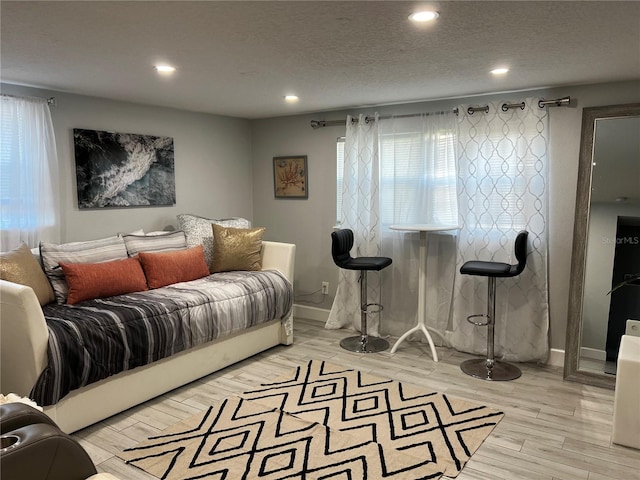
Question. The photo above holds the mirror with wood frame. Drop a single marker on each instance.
(604, 293)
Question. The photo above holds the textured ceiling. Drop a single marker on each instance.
(240, 58)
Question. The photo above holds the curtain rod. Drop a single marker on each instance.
(51, 101)
(558, 102)
(332, 123)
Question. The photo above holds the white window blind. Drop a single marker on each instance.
(418, 186)
(417, 175)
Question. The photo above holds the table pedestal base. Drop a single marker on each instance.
(364, 344)
(418, 328)
(481, 368)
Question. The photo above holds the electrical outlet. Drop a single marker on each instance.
(325, 288)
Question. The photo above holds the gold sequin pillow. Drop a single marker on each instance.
(20, 266)
(236, 249)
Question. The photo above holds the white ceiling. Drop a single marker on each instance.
(240, 58)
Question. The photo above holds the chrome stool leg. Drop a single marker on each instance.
(365, 343)
(489, 368)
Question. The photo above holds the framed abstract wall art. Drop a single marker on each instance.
(123, 169)
(290, 177)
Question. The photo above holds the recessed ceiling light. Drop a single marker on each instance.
(424, 16)
(499, 71)
(291, 98)
(165, 69)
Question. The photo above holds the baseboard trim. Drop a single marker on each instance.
(556, 356)
(593, 354)
(311, 313)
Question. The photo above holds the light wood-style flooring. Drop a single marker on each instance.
(552, 430)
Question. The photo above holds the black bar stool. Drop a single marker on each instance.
(489, 368)
(341, 244)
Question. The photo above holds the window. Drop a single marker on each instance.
(28, 166)
(418, 169)
(6, 131)
(417, 173)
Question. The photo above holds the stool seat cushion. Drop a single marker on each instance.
(486, 269)
(499, 269)
(366, 263)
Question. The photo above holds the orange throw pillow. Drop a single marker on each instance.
(98, 280)
(167, 268)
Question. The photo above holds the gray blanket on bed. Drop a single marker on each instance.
(92, 340)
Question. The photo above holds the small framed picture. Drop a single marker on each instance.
(290, 177)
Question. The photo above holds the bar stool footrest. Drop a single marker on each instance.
(479, 315)
(368, 305)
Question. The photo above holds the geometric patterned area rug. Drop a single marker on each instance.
(321, 422)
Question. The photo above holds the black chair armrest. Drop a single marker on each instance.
(16, 415)
(44, 453)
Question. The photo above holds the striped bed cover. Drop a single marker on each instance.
(92, 340)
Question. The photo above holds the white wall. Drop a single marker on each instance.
(308, 223)
(212, 162)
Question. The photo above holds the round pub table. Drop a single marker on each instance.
(421, 326)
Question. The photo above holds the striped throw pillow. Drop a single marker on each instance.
(167, 242)
(95, 251)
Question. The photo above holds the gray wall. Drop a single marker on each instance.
(308, 223)
(212, 162)
(224, 168)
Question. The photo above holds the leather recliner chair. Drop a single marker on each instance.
(34, 448)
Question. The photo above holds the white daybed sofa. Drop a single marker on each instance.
(23, 349)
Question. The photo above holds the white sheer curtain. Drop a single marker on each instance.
(360, 213)
(502, 189)
(29, 196)
(418, 186)
(398, 171)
